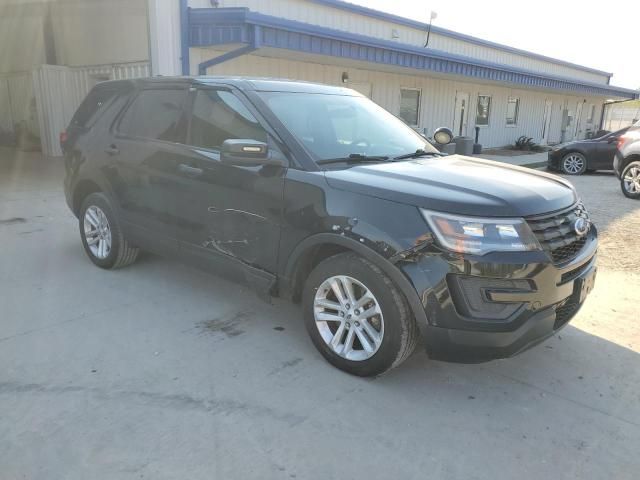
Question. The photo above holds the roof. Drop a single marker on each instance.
(398, 20)
(261, 84)
(239, 26)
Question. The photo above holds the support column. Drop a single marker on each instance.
(164, 37)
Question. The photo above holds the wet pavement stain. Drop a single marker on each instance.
(229, 325)
(13, 221)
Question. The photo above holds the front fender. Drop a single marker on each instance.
(399, 276)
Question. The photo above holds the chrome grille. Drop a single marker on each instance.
(556, 234)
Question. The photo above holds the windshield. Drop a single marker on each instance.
(336, 126)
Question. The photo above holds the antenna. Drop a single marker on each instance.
(432, 17)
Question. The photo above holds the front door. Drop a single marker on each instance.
(546, 121)
(225, 211)
(461, 114)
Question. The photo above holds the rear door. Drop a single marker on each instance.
(147, 137)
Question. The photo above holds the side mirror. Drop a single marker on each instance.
(247, 153)
(443, 136)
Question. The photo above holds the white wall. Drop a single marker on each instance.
(101, 32)
(21, 37)
(316, 14)
(438, 95)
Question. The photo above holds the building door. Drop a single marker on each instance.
(577, 133)
(546, 121)
(461, 114)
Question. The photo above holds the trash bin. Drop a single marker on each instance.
(464, 145)
(449, 148)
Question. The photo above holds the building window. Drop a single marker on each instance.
(484, 110)
(592, 113)
(410, 106)
(513, 107)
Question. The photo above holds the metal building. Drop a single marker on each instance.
(458, 81)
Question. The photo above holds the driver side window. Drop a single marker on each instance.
(219, 115)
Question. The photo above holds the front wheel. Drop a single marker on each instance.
(357, 317)
(101, 235)
(630, 180)
(573, 163)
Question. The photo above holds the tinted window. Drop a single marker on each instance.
(410, 105)
(92, 107)
(513, 107)
(219, 115)
(154, 114)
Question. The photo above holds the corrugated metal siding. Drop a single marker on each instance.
(621, 115)
(60, 90)
(438, 95)
(315, 14)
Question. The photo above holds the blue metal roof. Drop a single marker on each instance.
(369, 12)
(219, 26)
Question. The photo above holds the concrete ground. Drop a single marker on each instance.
(160, 371)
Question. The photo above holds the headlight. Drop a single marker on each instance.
(481, 235)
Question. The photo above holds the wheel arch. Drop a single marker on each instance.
(82, 190)
(311, 251)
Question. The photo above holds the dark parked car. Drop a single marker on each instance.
(576, 158)
(317, 194)
(627, 162)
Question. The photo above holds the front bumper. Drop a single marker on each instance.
(539, 300)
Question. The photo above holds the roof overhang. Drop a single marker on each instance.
(210, 27)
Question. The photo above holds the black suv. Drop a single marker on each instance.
(317, 194)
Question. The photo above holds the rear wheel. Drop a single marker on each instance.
(357, 317)
(630, 180)
(101, 235)
(573, 163)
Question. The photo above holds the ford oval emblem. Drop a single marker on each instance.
(581, 226)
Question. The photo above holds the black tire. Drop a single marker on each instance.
(627, 170)
(400, 329)
(122, 253)
(566, 162)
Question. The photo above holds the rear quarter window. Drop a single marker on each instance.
(92, 107)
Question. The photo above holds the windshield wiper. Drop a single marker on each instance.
(418, 153)
(353, 158)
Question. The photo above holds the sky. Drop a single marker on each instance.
(601, 35)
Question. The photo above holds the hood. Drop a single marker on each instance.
(457, 184)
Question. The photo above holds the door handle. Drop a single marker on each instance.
(112, 150)
(190, 171)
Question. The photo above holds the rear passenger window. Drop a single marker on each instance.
(219, 115)
(154, 114)
(92, 107)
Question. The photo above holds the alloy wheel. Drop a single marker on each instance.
(349, 318)
(573, 163)
(631, 180)
(97, 232)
